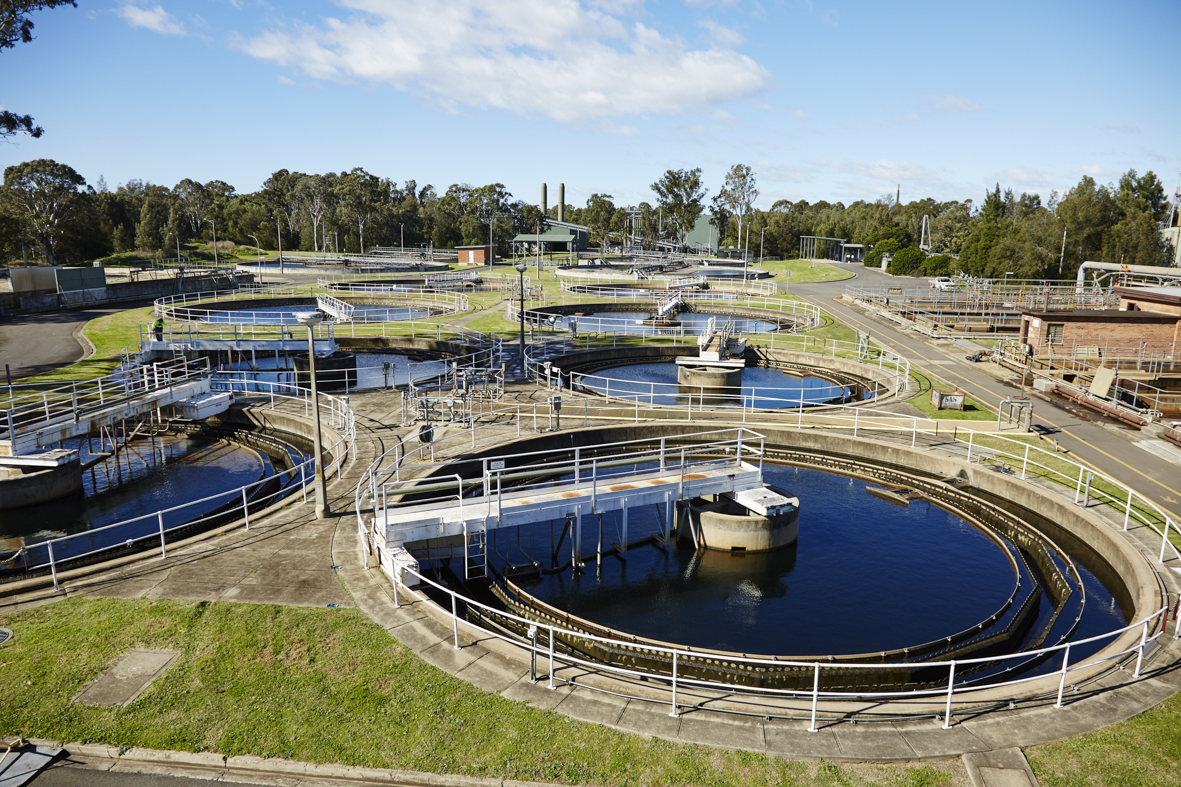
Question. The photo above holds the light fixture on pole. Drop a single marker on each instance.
(311, 320)
(521, 275)
(214, 224)
(257, 248)
(279, 233)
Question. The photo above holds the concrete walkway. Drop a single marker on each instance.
(291, 558)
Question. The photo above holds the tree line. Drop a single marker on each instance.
(48, 210)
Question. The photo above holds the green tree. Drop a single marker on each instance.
(45, 197)
(16, 27)
(739, 192)
(679, 194)
(600, 210)
(907, 261)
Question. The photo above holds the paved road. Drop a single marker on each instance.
(38, 343)
(1093, 440)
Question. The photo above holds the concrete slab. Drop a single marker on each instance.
(537, 694)
(647, 718)
(586, 705)
(934, 741)
(792, 739)
(127, 679)
(446, 657)
(419, 635)
(295, 597)
(1000, 768)
(711, 729)
(493, 673)
(872, 742)
(293, 578)
(188, 591)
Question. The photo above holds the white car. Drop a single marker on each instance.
(942, 283)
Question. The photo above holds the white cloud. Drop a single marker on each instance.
(565, 59)
(709, 3)
(284, 80)
(799, 114)
(953, 105)
(1025, 178)
(1094, 170)
(722, 35)
(155, 19)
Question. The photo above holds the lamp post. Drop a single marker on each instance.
(216, 262)
(521, 268)
(257, 248)
(173, 234)
(312, 319)
(279, 233)
(762, 233)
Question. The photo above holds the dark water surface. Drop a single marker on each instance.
(865, 575)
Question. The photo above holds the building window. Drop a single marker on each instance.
(1054, 333)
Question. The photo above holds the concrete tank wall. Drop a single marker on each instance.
(18, 490)
(725, 526)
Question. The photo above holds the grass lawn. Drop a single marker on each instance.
(330, 686)
(803, 271)
(971, 412)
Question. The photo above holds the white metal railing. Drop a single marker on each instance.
(894, 369)
(803, 316)
(51, 553)
(989, 448)
(183, 307)
(33, 405)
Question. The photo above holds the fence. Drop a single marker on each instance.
(175, 307)
(540, 640)
(151, 528)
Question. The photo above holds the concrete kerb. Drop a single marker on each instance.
(1090, 708)
(257, 770)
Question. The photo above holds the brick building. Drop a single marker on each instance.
(1164, 300)
(1148, 318)
(475, 255)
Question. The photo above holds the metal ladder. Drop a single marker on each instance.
(475, 552)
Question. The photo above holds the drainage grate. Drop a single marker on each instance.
(5, 635)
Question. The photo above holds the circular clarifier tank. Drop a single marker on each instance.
(658, 384)
(864, 576)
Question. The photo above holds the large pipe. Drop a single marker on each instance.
(544, 200)
(561, 202)
(1151, 270)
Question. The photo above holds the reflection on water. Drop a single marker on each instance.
(635, 323)
(656, 383)
(864, 576)
(285, 315)
(372, 371)
(151, 474)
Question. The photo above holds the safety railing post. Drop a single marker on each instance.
(163, 549)
(1164, 540)
(1140, 650)
(53, 567)
(856, 419)
(815, 694)
(454, 621)
(950, 690)
(245, 508)
(971, 436)
(303, 481)
(1078, 489)
(1062, 679)
(551, 658)
(1128, 510)
(674, 712)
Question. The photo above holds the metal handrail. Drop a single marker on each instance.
(340, 417)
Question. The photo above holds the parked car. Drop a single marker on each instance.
(942, 283)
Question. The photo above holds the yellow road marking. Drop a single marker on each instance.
(976, 386)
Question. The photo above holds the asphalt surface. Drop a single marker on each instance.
(1091, 439)
(38, 343)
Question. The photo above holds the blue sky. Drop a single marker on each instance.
(825, 100)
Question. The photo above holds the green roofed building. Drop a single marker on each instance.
(558, 236)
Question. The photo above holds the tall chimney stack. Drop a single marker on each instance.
(544, 200)
(561, 202)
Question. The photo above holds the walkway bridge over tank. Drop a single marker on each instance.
(565, 484)
(40, 415)
(258, 339)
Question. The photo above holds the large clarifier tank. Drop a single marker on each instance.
(332, 371)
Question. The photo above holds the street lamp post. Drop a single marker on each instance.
(762, 233)
(312, 319)
(173, 234)
(521, 268)
(279, 233)
(257, 248)
(216, 262)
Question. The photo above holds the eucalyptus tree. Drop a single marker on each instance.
(600, 210)
(739, 191)
(16, 27)
(193, 201)
(679, 194)
(315, 197)
(360, 196)
(45, 198)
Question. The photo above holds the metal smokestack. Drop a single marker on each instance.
(561, 202)
(544, 200)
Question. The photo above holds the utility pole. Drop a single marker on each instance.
(1062, 256)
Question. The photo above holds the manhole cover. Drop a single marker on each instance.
(5, 635)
